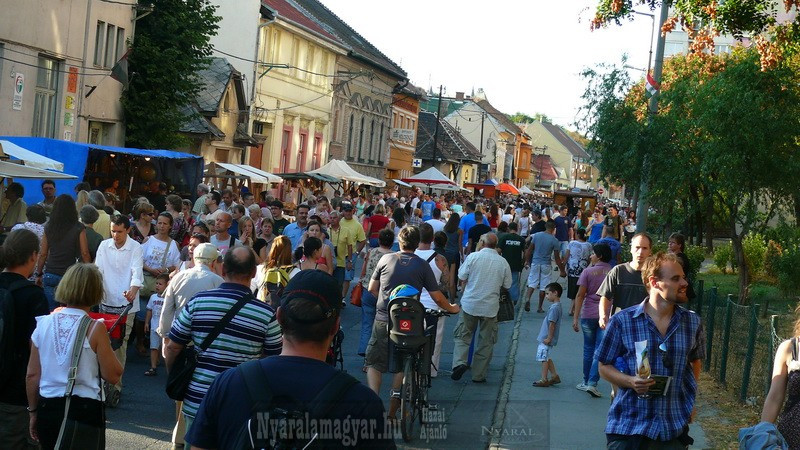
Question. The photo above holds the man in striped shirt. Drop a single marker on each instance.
(251, 334)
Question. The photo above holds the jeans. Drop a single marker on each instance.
(368, 302)
(373, 242)
(592, 336)
(50, 283)
(515, 286)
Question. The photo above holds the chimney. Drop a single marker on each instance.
(459, 96)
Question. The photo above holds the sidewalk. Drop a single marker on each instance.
(560, 416)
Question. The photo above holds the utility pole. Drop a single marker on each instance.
(436, 132)
(642, 207)
(480, 165)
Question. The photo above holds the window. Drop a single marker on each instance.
(45, 107)
(286, 145)
(361, 140)
(310, 64)
(317, 151)
(350, 152)
(120, 43)
(301, 152)
(380, 145)
(99, 40)
(371, 140)
(111, 32)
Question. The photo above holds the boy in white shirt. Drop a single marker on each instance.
(154, 306)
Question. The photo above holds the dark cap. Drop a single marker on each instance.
(315, 286)
(347, 206)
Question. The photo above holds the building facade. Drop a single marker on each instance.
(59, 55)
(403, 134)
(569, 159)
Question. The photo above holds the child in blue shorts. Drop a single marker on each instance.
(548, 336)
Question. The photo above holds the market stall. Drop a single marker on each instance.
(339, 169)
(306, 183)
(132, 170)
(236, 176)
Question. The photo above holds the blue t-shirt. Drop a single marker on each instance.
(226, 406)
(294, 233)
(615, 246)
(467, 222)
(553, 315)
(234, 229)
(596, 233)
(562, 228)
(544, 246)
(427, 210)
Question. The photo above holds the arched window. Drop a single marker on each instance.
(350, 138)
(380, 145)
(371, 141)
(361, 140)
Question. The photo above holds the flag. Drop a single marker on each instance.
(120, 70)
(651, 86)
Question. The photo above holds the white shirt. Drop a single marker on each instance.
(223, 246)
(414, 202)
(485, 271)
(183, 286)
(153, 253)
(54, 337)
(121, 269)
(437, 224)
(425, 296)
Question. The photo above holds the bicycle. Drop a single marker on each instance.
(334, 356)
(413, 338)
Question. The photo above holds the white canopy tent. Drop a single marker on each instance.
(29, 158)
(18, 171)
(255, 175)
(525, 190)
(430, 177)
(340, 169)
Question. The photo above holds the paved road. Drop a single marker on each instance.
(557, 417)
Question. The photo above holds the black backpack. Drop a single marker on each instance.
(274, 420)
(9, 352)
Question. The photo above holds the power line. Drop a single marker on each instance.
(56, 70)
(282, 66)
(340, 86)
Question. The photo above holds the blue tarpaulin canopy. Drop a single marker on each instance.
(179, 169)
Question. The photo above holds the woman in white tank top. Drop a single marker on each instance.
(51, 354)
(425, 252)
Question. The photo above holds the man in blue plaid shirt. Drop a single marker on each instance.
(675, 345)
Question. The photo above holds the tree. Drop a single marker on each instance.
(704, 19)
(171, 45)
(724, 141)
(520, 117)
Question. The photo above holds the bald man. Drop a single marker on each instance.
(222, 239)
(484, 272)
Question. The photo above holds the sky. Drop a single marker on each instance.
(526, 55)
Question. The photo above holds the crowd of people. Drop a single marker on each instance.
(271, 286)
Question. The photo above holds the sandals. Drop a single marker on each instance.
(528, 306)
(555, 380)
(151, 372)
(542, 383)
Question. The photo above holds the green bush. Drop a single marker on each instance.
(755, 250)
(788, 268)
(723, 254)
(696, 255)
(785, 235)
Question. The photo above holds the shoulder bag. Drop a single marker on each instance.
(74, 433)
(183, 367)
(506, 311)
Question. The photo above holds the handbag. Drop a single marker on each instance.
(148, 280)
(73, 433)
(355, 294)
(506, 311)
(180, 375)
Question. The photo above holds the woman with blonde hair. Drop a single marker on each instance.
(81, 200)
(142, 224)
(786, 386)
(247, 231)
(280, 257)
(51, 360)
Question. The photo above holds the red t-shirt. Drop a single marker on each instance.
(378, 222)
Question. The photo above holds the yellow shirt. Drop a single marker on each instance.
(350, 232)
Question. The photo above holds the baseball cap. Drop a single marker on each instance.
(315, 286)
(347, 206)
(206, 251)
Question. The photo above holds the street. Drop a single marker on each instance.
(504, 412)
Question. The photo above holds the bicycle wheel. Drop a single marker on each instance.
(422, 394)
(408, 400)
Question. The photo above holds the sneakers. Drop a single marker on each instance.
(592, 390)
(582, 387)
(458, 372)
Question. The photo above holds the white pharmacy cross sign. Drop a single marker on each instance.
(416, 163)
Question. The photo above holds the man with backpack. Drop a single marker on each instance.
(244, 404)
(222, 239)
(20, 302)
(245, 328)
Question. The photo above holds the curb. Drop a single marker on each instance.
(499, 416)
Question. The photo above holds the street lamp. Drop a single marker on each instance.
(653, 18)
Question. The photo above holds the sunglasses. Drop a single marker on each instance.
(666, 361)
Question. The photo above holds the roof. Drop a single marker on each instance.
(196, 123)
(499, 116)
(563, 138)
(292, 12)
(214, 79)
(358, 47)
(451, 144)
(544, 164)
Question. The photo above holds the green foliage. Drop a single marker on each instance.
(723, 254)
(172, 43)
(755, 250)
(788, 271)
(696, 255)
(785, 235)
(521, 117)
(772, 257)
